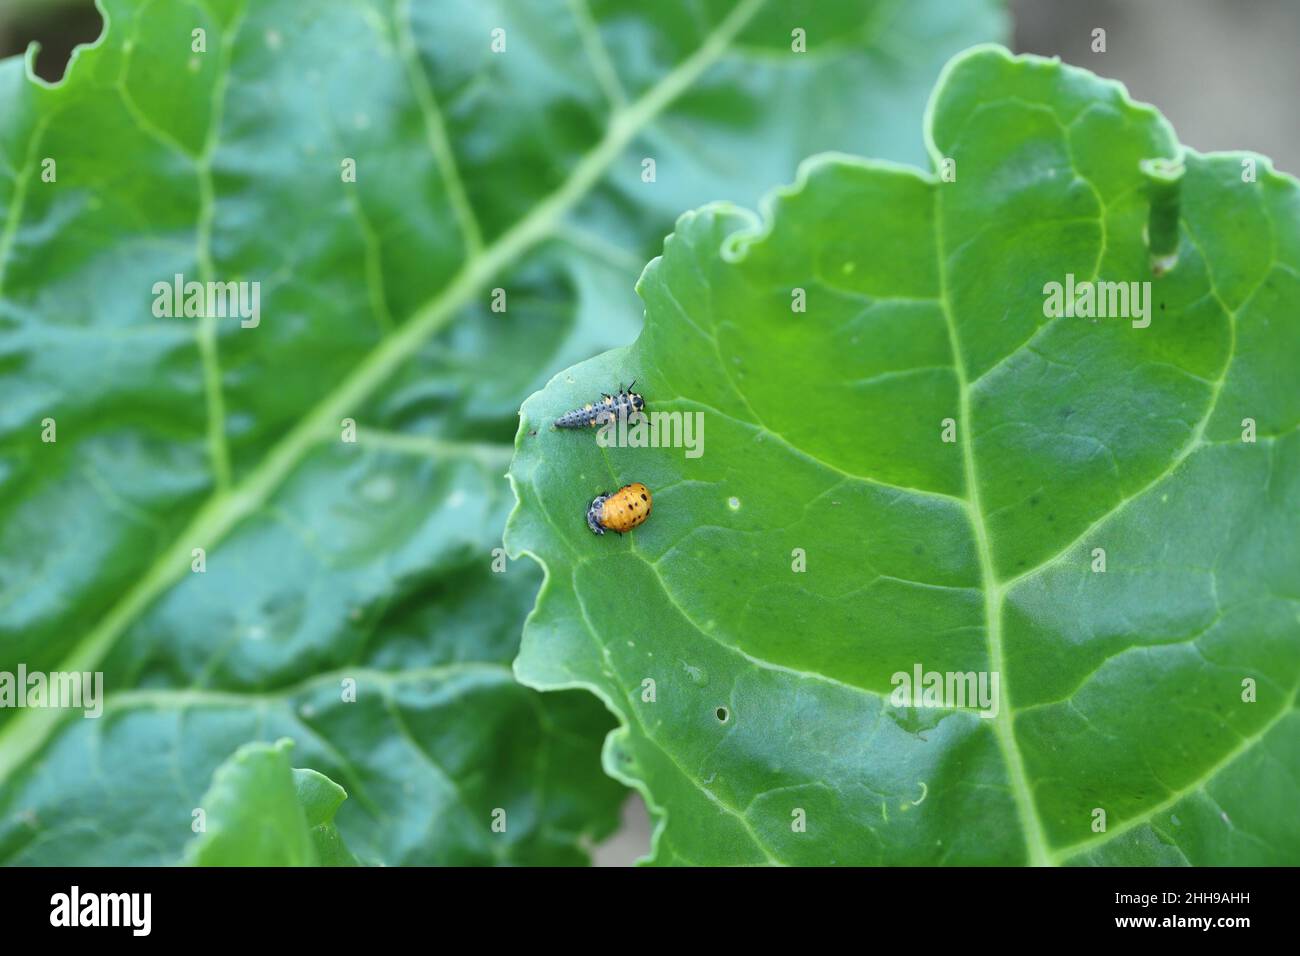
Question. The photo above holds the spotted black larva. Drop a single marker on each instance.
(594, 414)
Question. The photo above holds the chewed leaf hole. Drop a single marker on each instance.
(722, 714)
(58, 28)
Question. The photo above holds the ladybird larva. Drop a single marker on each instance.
(624, 402)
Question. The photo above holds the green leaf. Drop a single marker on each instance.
(425, 755)
(328, 561)
(261, 812)
(321, 798)
(1123, 690)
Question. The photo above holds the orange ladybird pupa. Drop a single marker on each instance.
(621, 511)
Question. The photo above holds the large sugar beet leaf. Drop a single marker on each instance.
(219, 140)
(923, 469)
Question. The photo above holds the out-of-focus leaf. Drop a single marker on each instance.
(328, 561)
(261, 812)
(321, 798)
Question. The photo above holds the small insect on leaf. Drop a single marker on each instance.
(621, 511)
(624, 403)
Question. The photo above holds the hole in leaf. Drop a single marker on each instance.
(57, 27)
(722, 714)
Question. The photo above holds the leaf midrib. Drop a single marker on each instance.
(1031, 825)
(27, 731)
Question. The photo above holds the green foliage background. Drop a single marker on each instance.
(327, 561)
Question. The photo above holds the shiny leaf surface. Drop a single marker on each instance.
(925, 470)
(215, 141)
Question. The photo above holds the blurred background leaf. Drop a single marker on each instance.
(260, 811)
(329, 561)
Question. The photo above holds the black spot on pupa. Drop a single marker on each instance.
(1033, 501)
